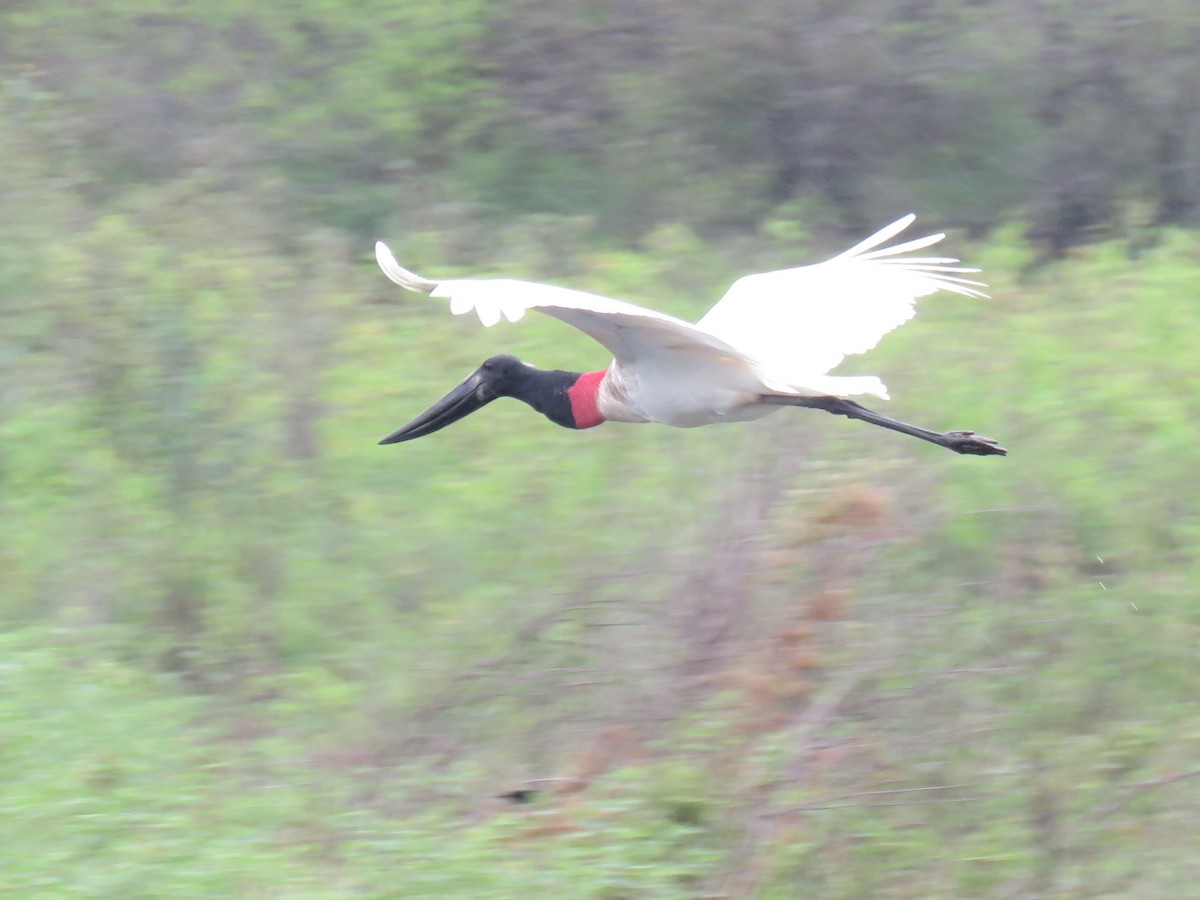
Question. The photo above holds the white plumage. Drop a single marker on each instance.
(775, 333)
(802, 322)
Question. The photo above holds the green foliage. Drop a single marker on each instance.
(248, 652)
(639, 114)
(320, 94)
(112, 784)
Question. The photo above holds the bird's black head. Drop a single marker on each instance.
(504, 373)
(499, 376)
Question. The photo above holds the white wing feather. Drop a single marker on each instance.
(800, 323)
(631, 333)
(787, 328)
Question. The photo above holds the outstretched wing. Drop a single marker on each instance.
(798, 323)
(631, 333)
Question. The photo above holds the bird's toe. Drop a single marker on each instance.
(969, 442)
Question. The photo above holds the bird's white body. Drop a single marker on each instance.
(666, 392)
(773, 334)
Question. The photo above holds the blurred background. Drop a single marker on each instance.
(246, 652)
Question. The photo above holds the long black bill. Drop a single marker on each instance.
(472, 393)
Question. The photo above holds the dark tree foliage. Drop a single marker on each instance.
(638, 112)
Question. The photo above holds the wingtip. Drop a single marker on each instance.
(882, 236)
(398, 274)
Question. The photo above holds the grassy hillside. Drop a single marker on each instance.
(250, 653)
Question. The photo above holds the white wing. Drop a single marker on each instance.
(799, 323)
(631, 333)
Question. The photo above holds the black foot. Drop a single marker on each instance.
(974, 444)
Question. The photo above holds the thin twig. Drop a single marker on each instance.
(1140, 789)
(822, 803)
(890, 803)
(1103, 810)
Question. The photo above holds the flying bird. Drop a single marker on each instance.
(770, 342)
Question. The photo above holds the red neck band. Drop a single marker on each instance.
(584, 395)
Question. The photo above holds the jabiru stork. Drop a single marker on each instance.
(769, 342)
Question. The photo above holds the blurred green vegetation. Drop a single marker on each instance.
(387, 116)
(248, 653)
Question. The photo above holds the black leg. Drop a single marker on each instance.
(958, 441)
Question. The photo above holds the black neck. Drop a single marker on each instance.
(546, 391)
